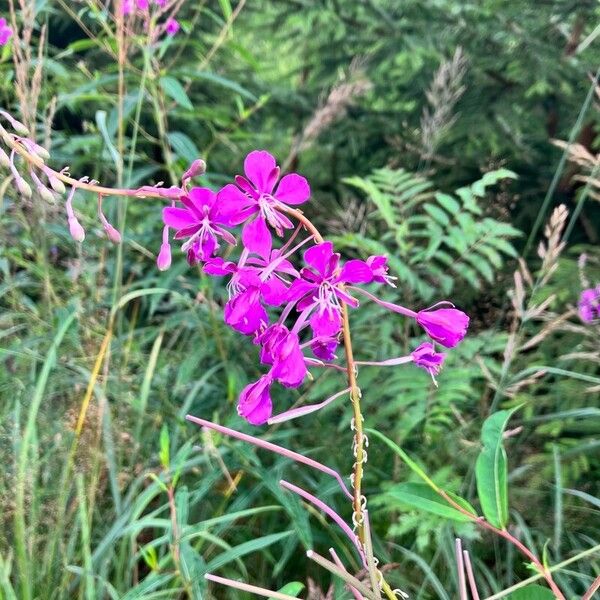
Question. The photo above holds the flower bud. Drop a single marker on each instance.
(16, 125)
(4, 160)
(40, 151)
(46, 194)
(198, 167)
(113, 235)
(76, 230)
(23, 187)
(163, 260)
(57, 185)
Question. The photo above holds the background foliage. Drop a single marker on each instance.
(425, 129)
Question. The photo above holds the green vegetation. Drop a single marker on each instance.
(426, 129)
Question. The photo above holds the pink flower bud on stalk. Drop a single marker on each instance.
(172, 27)
(163, 260)
(112, 233)
(55, 183)
(197, 168)
(75, 229)
(34, 148)
(42, 190)
(16, 125)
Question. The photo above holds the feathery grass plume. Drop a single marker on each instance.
(550, 251)
(443, 94)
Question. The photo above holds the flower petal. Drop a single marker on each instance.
(274, 291)
(178, 218)
(233, 206)
(356, 271)
(319, 257)
(203, 199)
(255, 403)
(258, 167)
(326, 322)
(257, 237)
(293, 189)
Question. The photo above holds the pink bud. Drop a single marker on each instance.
(76, 230)
(198, 167)
(23, 187)
(57, 185)
(113, 235)
(163, 260)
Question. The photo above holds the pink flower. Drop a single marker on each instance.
(319, 289)
(447, 326)
(172, 27)
(5, 32)
(427, 358)
(281, 348)
(201, 221)
(255, 403)
(379, 268)
(589, 304)
(256, 194)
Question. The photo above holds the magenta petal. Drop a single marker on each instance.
(244, 312)
(258, 167)
(274, 291)
(233, 206)
(293, 189)
(326, 322)
(324, 348)
(319, 257)
(299, 289)
(218, 266)
(178, 218)
(202, 198)
(427, 358)
(255, 403)
(448, 326)
(356, 271)
(257, 237)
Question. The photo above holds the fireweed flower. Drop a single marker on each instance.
(447, 326)
(257, 195)
(255, 404)
(5, 32)
(589, 304)
(319, 290)
(201, 221)
(172, 27)
(427, 358)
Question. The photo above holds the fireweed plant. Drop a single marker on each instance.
(290, 295)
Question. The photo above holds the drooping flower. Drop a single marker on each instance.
(319, 290)
(255, 404)
(172, 27)
(589, 304)
(163, 260)
(256, 195)
(379, 268)
(447, 326)
(281, 348)
(5, 32)
(201, 221)
(427, 358)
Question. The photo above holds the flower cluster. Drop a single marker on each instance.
(142, 8)
(589, 304)
(5, 32)
(294, 314)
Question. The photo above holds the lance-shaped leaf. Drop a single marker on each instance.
(532, 592)
(491, 469)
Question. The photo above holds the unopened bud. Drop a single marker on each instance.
(76, 230)
(163, 260)
(16, 125)
(40, 151)
(112, 233)
(46, 194)
(4, 160)
(23, 187)
(57, 185)
(198, 167)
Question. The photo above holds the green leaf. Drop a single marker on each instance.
(164, 447)
(491, 469)
(175, 91)
(224, 82)
(183, 146)
(422, 497)
(101, 122)
(532, 592)
(291, 589)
